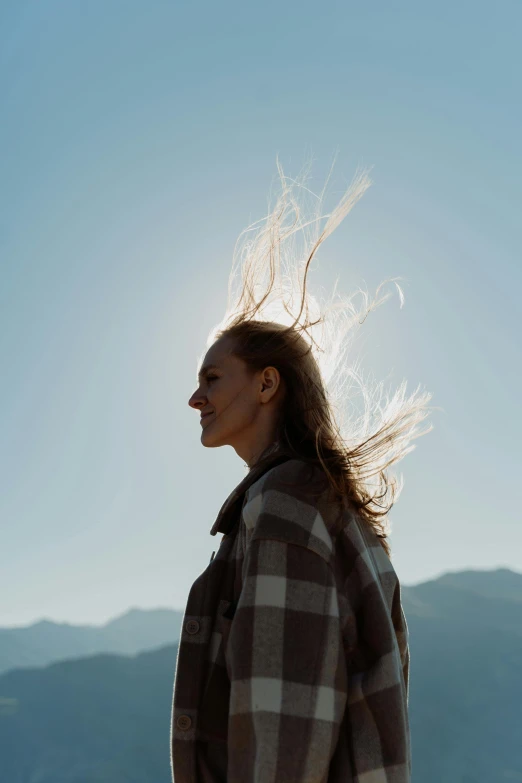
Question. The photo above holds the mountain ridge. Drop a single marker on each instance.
(46, 641)
(496, 593)
(105, 717)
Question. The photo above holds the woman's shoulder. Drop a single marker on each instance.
(282, 505)
(295, 477)
(293, 468)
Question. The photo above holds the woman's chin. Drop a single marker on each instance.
(209, 439)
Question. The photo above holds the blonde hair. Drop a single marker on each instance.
(274, 319)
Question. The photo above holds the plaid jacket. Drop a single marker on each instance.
(293, 661)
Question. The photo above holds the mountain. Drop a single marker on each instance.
(102, 719)
(474, 599)
(46, 642)
(106, 718)
(499, 583)
(466, 677)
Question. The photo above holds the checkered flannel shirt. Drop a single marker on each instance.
(298, 672)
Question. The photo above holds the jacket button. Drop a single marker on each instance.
(192, 626)
(184, 722)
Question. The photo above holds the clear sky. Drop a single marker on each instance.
(138, 139)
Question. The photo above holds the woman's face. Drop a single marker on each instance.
(231, 399)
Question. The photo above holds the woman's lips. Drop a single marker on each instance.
(203, 418)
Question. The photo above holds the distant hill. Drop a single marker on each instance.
(466, 677)
(475, 599)
(106, 718)
(46, 642)
(103, 719)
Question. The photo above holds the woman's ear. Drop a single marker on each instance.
(270, 381)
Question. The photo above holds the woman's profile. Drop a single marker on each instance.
(293, 661)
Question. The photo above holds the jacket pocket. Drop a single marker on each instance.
(225, 615)
(213, 717)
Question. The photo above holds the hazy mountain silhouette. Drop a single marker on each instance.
(100, 719)
(46, 642)
(466, 677)
(106, 718)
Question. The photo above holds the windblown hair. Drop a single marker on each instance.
(309, 345)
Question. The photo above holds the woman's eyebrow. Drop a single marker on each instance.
(206, 369)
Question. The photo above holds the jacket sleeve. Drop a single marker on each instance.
(286, 667)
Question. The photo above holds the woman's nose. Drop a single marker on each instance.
(196, 401)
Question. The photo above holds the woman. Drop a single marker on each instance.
(293, 662)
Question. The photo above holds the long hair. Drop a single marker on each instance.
(275, 320)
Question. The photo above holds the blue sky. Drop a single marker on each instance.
(138, 139)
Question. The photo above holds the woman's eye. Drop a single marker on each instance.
(212, 378)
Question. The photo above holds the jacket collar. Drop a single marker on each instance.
(229, 512)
